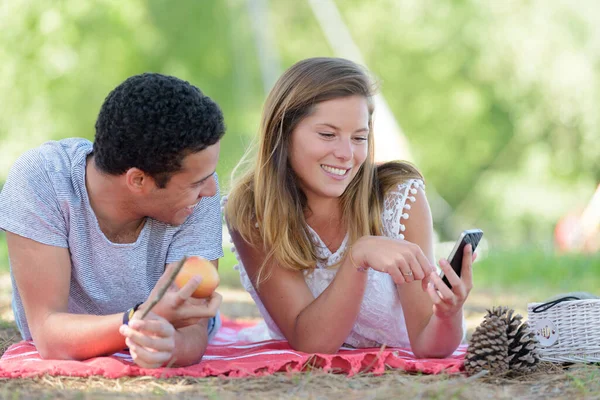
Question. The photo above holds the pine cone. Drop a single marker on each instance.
(488, 347)
(522, 344)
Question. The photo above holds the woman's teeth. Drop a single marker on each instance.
(335, 171)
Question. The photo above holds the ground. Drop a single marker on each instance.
(578, 381)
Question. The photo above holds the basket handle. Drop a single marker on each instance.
(546, 306)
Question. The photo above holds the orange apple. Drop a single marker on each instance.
(199, 266)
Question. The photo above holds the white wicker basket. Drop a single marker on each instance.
(568, 331)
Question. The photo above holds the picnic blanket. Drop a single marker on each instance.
(227, 355)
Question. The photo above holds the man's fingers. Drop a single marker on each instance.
(188, 289)
(207, 309)
(188, 322)
(146, 358)
(152, 334)
(214, 303)
(152, 343)
(155, 327)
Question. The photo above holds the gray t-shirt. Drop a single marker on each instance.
(45, 199)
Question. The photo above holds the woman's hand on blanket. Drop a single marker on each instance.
(178, 306)
(151, 341)
(402, 260)
(448, 302)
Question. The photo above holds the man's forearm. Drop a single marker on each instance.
(190, 343)
(79, 337)
(66, 336)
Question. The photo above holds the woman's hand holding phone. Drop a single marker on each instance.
(446, 301)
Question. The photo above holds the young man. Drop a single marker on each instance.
(94, 230)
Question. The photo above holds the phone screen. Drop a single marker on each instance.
(470, 236)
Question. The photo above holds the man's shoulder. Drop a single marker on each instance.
(42, 185)
(61, 155)
(53, 156)
(51, 169)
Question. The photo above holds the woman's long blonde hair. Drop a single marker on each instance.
(266, 205)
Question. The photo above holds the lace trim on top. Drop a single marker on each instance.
(395, 207)
(323, 252)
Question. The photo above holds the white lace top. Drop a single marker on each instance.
(380, 319)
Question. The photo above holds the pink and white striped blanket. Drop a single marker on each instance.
(228, 356)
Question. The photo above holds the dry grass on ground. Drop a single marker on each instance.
(574, 382)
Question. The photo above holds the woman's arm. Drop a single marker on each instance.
(434, 325)
(310, 325)
(322, 325)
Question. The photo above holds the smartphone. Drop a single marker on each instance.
(470, 236)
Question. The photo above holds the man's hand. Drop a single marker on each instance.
(151, 341)
(177, 306)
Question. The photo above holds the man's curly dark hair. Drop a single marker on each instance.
(151, 122)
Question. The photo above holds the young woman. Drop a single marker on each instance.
(334, 249)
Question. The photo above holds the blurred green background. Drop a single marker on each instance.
(496, 98)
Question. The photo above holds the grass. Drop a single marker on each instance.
(577, 382)
(540, 274)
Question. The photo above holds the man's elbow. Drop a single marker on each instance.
(52, 349)
(49, 351)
